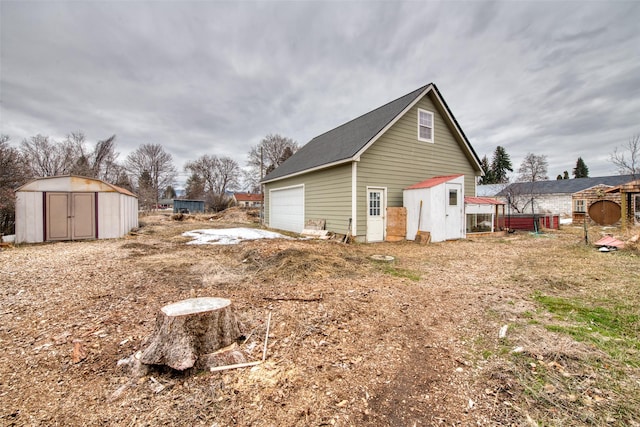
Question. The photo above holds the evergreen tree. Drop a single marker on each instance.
(195, 188)
(500, 164)
(565, 175)
(488, 177)
(169, 193)
(559, 177)
(581, 170)
(147, 195)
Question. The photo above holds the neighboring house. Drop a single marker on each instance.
(73, 207)
(248, 200)
(349, 175)
(165, 204)
(597, 204)
(554, 196)
(489, 190)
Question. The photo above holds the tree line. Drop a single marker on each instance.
(534, 166)
(149, 171)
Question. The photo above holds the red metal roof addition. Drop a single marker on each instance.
(432, 182)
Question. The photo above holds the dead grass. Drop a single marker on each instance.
(352, 342)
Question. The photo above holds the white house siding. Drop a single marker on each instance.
(555, 203)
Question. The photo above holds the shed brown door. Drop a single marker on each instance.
(605, 212)
(70, 216)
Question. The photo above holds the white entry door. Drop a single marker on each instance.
(376, 208)
(453, 211)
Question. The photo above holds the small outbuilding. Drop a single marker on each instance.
(483, 214)
(436, 205)
(73, 207)
(188, 206)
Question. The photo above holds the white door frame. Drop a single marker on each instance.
(377, 223)
(453, 213)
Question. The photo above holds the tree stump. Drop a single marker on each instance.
(189, 329)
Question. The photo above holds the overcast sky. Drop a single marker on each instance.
(560, 79)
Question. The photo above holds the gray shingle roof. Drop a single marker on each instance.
(564, 186)
(345, 141)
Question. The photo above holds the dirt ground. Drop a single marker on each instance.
(353, 341)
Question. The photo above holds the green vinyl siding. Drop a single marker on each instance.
(327, 195)
(397, 159)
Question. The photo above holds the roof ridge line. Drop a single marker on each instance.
(420, 89)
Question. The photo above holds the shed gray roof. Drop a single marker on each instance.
(563, 186)
(344, 142)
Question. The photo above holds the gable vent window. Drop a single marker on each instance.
(425, 125)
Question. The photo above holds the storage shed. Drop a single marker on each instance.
(188, 206)
(73, 207)
(598, 204)
(437, 206)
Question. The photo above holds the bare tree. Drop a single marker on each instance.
(12, 175)
(45, 157)
(270, 153)
(97, 163)
(218, 175)
(627, 160)
(153, 160)
(533, 169)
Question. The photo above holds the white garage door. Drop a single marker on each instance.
(286, 211)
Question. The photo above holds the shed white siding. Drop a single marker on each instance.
(433, 215)
(116, 214)
(29, 217)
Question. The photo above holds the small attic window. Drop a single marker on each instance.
(425, 125)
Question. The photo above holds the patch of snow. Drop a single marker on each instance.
(9, 238)
(566, 221)
(229, 236)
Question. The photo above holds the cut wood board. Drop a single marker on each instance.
(396, 224)
(423, 237)
(320, 234)
(315, 224)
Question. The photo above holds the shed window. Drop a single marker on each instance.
(579, 206)
(425, 125)
(453, 197)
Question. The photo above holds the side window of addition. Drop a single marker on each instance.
(425, 125)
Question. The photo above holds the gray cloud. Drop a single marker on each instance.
(560, 79)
